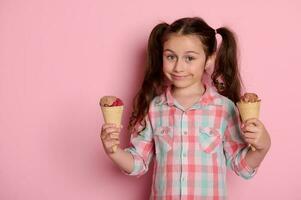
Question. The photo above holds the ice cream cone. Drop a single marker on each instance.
(248, 110)
(112, 115)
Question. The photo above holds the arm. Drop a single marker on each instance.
(235, 148)
(135, 159)
(123, 159)
(110, 138)
(255, 133)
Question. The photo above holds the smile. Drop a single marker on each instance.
(178, 77)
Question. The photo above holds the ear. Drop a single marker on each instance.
(209, 65)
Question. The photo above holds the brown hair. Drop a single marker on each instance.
(226, 67)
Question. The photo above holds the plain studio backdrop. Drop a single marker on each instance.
(58, 57)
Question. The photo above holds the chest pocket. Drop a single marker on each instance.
(209, 139)
(163, 139)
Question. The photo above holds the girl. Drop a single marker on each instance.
(191, 128)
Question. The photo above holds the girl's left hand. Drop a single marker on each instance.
(254, 133)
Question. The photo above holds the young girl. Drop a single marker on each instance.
(191, 128)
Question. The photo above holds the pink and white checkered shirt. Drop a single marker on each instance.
(192, 148)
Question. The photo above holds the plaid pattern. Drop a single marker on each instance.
(191, 148)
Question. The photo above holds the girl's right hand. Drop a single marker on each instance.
(110, 137)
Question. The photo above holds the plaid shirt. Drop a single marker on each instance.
(192, 148)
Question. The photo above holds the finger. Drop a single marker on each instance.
(105, 128)
(108, 146)
(108, 125)
(254, 121)
(250, 141)
(249, 135)
(104, 134)
(113, 126)
(110, 137)
(112, 144)
(113, 136)
(243, 126)
(252, 147)
(112, 130)
(113, 147)
(251, 128)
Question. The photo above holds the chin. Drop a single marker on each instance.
(184, 84)
(180, 85)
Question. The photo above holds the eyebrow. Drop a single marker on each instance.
(185, 51)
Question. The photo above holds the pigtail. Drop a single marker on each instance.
(153, 82)
(226, 67)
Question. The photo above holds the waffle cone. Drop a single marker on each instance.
(112, 114)
(248, 110)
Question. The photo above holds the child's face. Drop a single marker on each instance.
(184, 60)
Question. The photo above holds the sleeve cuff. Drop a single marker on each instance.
(136, 169)
(250, 171)
(246, 171)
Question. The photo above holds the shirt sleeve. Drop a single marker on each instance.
(235, 148)
(142, 149)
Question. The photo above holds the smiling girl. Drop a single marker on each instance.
(192, 130)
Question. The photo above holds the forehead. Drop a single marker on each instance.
(181, 43)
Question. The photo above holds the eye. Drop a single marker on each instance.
(170, 57)
(189, 58)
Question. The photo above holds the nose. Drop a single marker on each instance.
(179, 66)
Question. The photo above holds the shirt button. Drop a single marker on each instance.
(184, 154)
(185, 132)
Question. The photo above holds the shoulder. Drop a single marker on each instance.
(158, 100)
(156, 104)
(227, 104)
(219, 99)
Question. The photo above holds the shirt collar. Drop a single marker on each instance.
(210, 96)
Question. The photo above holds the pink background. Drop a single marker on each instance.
(57, 57)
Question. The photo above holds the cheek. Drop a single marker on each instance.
(166, 67)
(198, 69)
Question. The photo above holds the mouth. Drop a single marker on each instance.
(178, 77)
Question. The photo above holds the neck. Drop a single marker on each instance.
(197, 89)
